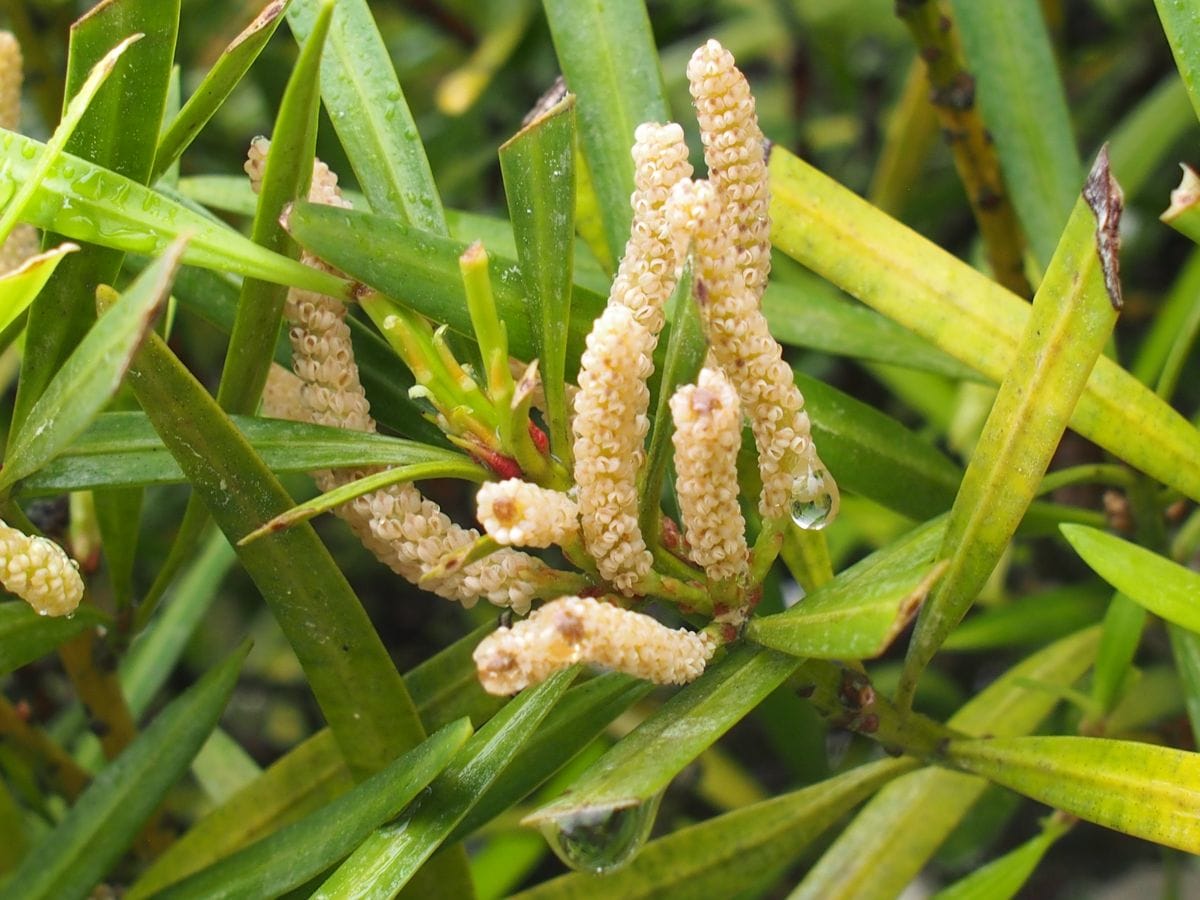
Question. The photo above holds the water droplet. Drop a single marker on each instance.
(812, 502)
(601, 840)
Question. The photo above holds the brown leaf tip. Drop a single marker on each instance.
(1107, 201)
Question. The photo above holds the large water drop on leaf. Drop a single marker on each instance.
(812, 501)
(601, 840)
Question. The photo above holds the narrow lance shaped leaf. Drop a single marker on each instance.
(15, 207)
(1073, 315)
(910, 280)
(371, 116)
(1007, 45)
(1143, 790)
(288, 172)
(89, 203)
(861, 611)
(1164, 587)
(100, 827)
(218, 83)
(116, 134)
(121, 449)
(538, 166)
(290, 857)
(91, 374)
(26, 636)
(643, 763)
(1184, 36)
(21, 285)
(607, 55)
(388, 859)
(1002, 878)
(350, 673)
(730, 853)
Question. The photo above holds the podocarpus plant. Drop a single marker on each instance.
(599, 381)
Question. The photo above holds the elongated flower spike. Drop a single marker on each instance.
(39, 572)
(735, 151)
(610, 426)
(647, 274)
(407, 532)
(708, 434)
(740, 340)
(582, 629)
(518, 513)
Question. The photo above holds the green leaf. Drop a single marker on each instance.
(1147, 791)
(286, 176)
(347, 667)
(91, 375)
(538, 166)
(1006, 45)
(15, 207)
(26, 636)
(93, 204)
(463, 468)
(1002, 878)
(371, 116)
(686, 349)
(117, 134)
(121, 449)
(643, 763)
(422, 268)
(728, 854)
(1073, 315)
(1164, 587)
(805, 311)
(861, 611)
(1029, 620)
(21, 285)
(874, 455)
(1183, 33)
(889, 842)
(79, 852)
(582, 714)
(910, 280)
(290, 857)
(607, 54)
(218, 83)
(388, 859)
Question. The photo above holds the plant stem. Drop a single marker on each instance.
(953, 97)
(52, 765)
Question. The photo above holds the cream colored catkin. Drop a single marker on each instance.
(647, 273)
(518, 513)
(39, 572)
(741, 342)
(573, 630)
(708, 430)
(407, 532)
(610, 427)
(735, 151)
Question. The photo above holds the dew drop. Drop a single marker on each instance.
(603, 840)
(812, 502)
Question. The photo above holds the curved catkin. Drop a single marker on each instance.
(521, 514)
(610, 426)
(581, 629)
(741, 342)
(39, 572)
(647, 274)
(735, 151)
(708, 429)
(407, 532)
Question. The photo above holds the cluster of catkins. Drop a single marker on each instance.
(723, 222)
